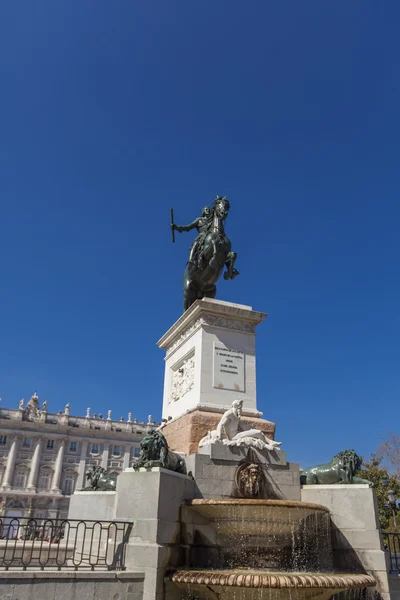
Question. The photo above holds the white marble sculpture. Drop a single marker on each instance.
(32, 410)
(236, 435)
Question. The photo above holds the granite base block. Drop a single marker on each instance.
(214, 473)
(356, 538)
(90, 506)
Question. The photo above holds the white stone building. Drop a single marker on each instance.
(44, 456)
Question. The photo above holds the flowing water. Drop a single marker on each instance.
(238, 549)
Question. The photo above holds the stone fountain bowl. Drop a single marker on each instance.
(240, 516)
(273, 535)
(255, 585)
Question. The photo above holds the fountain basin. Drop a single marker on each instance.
(252, 585)
(261, 579)
(243, 516)
(276, 535)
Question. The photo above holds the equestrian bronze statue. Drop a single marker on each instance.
(209, 253)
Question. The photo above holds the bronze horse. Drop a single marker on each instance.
(213, 252)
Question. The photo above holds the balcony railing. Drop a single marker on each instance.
(392, 545)
(62, 544)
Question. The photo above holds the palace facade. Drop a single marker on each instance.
(44, 456)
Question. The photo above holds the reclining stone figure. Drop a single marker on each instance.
(236, 435)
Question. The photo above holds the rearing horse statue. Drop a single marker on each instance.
(210, 251)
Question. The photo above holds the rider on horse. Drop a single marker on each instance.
(202, 224)
(209, 253)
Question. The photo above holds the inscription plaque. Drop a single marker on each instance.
(228, 368)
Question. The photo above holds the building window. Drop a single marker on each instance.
(44, 480)
(94, 449)
(3, 440)
(136, 452)
(20, 479)
(26, 443)
(73, 446)
(117, 451)
(50, 444)
(68, 485)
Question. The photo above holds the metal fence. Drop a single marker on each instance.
(392, 545)
(62, 544)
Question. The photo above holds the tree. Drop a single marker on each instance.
(383, 481)
(389, 450)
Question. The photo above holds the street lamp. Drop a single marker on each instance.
(392, 503)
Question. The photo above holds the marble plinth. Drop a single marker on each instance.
(211, 358)
(214, 469)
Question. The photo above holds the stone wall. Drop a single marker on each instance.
(184, 433)
(70, 585)
(356, 537)
(215, 466)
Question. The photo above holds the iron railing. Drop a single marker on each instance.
(392, 545)
(62, 544)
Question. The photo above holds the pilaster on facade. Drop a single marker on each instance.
(106, 453)
(7, 480)
(82, 467)
(55, 486)
(33, 474)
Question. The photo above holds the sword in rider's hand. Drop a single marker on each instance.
(172, 226)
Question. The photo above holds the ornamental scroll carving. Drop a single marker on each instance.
(182, 379)
(228, 323)
(213, 321)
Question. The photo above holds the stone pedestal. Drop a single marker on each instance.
(89, 506)
(210, 359)
(152, 500)
(215, 466)
(356, 536)
(210, 362)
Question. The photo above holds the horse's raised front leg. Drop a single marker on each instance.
(231, 273)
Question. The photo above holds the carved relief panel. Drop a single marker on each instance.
(182, 380)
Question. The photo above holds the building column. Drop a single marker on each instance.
(33, 473)
(104, 458)
(80, 482)
(12, 455)
(127, 457)
(55, 484)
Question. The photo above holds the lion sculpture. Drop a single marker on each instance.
(100, 480)
(341, 469)
(154, 452)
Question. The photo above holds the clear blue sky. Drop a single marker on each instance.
(112, 112)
